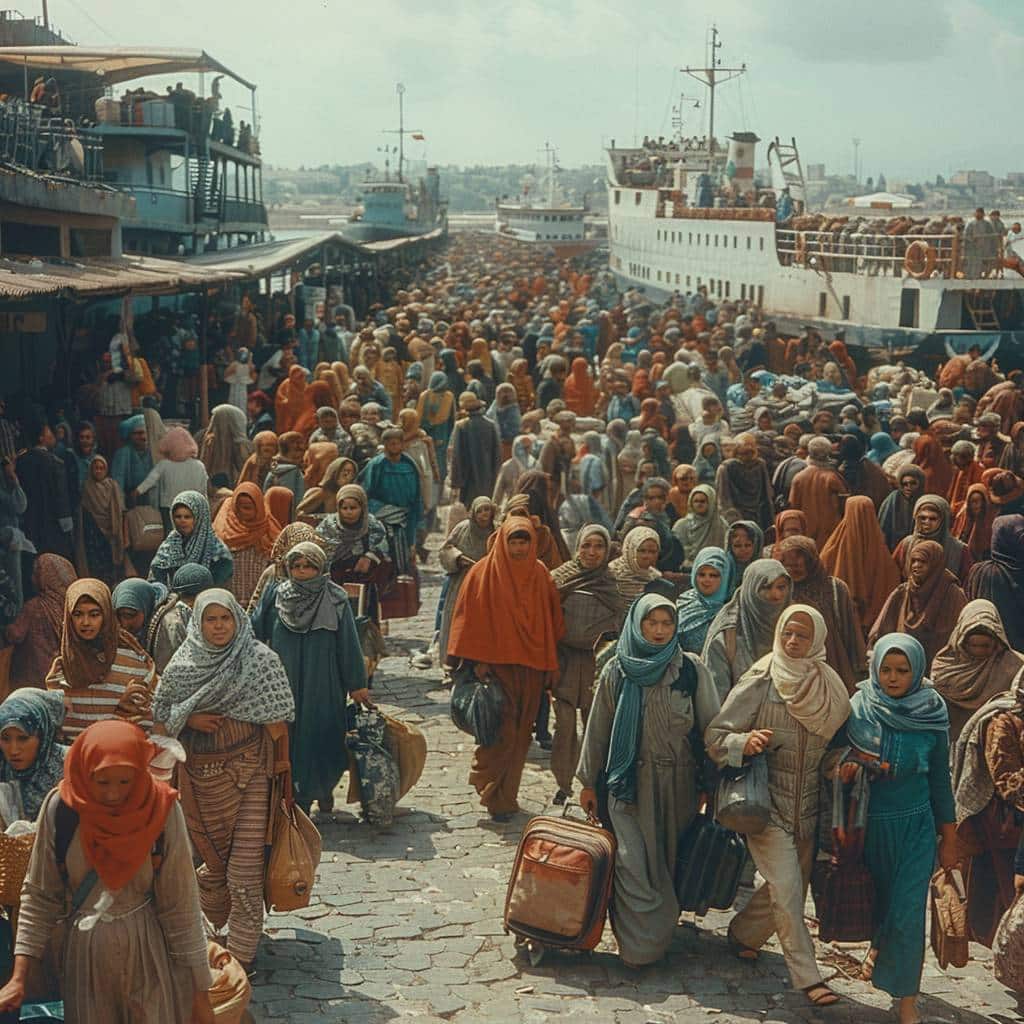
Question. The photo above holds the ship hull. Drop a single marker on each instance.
(362, 233)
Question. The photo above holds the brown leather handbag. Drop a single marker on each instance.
(949, 919)
(293, 841)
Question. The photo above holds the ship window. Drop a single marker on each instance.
(716, 241)
(687, 280)
(760, 292)
(735, 241)
(846, 307)
(909, 307)
(659, 275)
(698, 239)
(691, 237)
(727, 289)
(637, 196)
(761, 240)
(30, 239)
(618, 196)
(748, 242)
(719, 288)
(743, 291)
(822, 303)
(677, 279)
(707, 239)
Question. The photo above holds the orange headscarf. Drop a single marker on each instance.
(976, 533)
(857, 554)
(254, 471)
(578, 392)
(318, 457)
(679, 493)
(260, 533)
(292, 400)
(279, 505)
(933, 462)
(508, 611)
(641, 384)
(116, 841)
(963, 481)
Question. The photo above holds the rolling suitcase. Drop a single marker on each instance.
(709, 863)
(560, 885)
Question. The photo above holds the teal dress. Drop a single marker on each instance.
(324, 666)
(906, 808)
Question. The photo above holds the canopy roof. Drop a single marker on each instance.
(116, 63)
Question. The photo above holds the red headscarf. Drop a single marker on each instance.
(938, 471)
(976, 533)
(116, 841)
(279, 505)
(260, 533)
(508, 611)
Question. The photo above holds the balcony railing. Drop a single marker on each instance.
(32, 138)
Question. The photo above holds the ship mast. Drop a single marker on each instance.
(550, 153)
(712, 76)
(402, 130)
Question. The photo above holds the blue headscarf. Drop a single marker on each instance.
(438, 381)
(37, 713)
(877, 719)
(128, 427)
(641, 665)
(139, 596)
(882, 446)
(696, 610)
(738, 569)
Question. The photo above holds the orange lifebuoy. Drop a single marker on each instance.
(920, 259)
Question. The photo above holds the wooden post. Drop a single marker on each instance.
(204, 381)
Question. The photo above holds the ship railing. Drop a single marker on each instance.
(881, 255)
(676, 209)
(33, 138)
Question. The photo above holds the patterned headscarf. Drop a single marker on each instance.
(202, 546)
(244, 679)
(305, 605)
(36, 713)
(52, 575)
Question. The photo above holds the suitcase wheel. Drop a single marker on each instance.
(536, 952)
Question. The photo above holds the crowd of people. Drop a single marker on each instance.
(695, 541)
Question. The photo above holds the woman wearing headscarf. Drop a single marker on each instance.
(635, 567)
(317, 458)
(99, 536)
(896, 514)
(927, 606)
(280, 502)
(791, 522)
(972, 525)
(976, 665)
(191, 540)
(709, 458)
(591, 606)
(934, 463)
(882, 446)
(102, 671)
(744, 542)
(702, 526)
(899, 732)
(134, 603)
(169, 623)
(655, 450)
(323, 498)
(289, 536)
(225, 444)
(787, 707)
(860, 474)
(464, 547)
(178, 470)
(436, 412)
(248, 531)
(226, 697)
(521, 461)
(1001, 579)
(519, 378)
(293, 402)
(504, 414)
(139, 921)
(1013, 454)
(651, 419)
(648, 700)
(968, 472)
(26, 715)
(931, 522)
(856, 553)
(311, 627)
(844, 643)
(257, 465)
(698, 607)
(533, 498)
(35, 633)
(579, 392)
(742, 631)
(417, 445)
(507, 622)
(684, 479)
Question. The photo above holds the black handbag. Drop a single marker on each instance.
(477, 706)
(742, 800)
(709, 865)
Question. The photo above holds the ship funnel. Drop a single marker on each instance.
(739, 167)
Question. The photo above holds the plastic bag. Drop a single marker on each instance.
(477, 706)
(742, 800)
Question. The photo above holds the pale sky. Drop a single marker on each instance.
(928, 85)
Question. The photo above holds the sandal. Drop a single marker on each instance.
(746, 953)
(821, 995)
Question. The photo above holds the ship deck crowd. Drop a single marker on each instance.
(686, 554)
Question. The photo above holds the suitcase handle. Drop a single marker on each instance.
(591, 819)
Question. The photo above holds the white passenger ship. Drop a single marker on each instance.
(687, 212)
(546, 218)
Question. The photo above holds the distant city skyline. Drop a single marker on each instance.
(927, 85)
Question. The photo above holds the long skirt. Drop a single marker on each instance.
(497, 769)
(899, 851)
(225, 794)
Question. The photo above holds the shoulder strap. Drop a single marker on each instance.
(66, 822)
(835, 600)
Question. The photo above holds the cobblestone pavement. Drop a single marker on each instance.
(405, 922)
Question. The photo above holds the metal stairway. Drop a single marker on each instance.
(978, 304)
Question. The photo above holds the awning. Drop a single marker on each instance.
(264, 258)
(116, 63)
